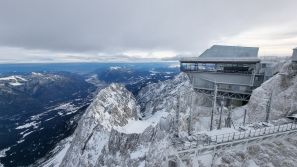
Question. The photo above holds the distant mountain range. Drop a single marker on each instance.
(40, 105)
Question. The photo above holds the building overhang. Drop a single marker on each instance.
(219, 60)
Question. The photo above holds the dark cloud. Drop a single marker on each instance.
(118, 25)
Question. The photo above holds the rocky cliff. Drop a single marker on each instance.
(282, 89)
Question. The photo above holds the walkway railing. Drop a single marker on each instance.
(229, 137)
(214, 143)
(235, 137)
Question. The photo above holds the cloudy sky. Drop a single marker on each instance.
(113, 30)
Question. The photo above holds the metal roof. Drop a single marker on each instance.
(222, 53)
(219, 51)
(219, 60)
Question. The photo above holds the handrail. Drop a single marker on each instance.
(238, 136)
(222, 141)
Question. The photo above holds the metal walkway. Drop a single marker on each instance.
(196, 146)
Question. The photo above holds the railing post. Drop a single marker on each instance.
(233, 135)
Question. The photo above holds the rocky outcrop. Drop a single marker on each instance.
(110, 134)
(283, 89)
(163, 95)
(113, 107)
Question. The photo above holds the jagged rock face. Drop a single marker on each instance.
(164, 95)
(100, 139)
(158, 96)
(135, 149)
(113, 107)
(283, 88)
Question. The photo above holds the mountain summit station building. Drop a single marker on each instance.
(229, 72)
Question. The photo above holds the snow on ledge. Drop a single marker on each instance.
(138, 126)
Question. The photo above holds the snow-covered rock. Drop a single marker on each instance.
(118, 131)
(112, 108)
(283, 89)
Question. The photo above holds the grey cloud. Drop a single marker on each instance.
(114, 26)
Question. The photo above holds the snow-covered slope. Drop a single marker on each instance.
(118, 130)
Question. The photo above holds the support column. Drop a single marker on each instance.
(221, 113)
(214, 104)
(177, 116)
(268, 107)
(244, 117)
(190, 116)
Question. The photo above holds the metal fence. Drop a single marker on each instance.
(205, 141)
(203, 144)
(229, 137)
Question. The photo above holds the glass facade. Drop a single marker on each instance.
(218, 67)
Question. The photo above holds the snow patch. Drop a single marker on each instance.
(13, 80)
(28, 125)
(3, 152)
(15, 84)
(26, 134)
(68, 107)
(139, 153)
(37, 74)
(56, 160)
(114, 67)
(138, 126)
